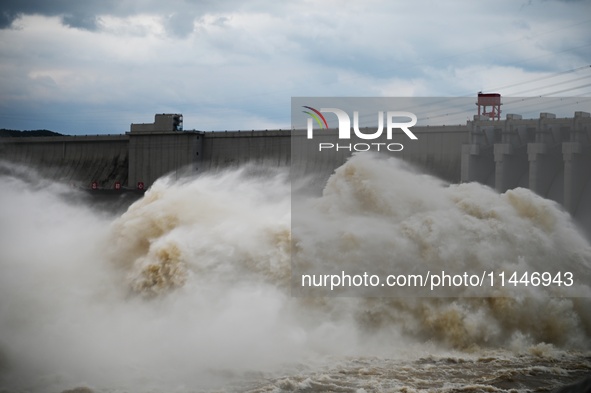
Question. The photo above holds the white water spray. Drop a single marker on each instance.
(190, 286)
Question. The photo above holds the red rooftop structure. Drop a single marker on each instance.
(492, 100)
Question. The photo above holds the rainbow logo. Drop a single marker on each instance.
(316, 115)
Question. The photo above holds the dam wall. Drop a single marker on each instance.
(80, 160)
(542, 154)
(135, 160)
(153, 154)
(234, 148)
(436, 151)
(551, 156)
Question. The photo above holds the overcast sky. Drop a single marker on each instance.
(95, 66)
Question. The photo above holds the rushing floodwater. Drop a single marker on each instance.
(189, 289)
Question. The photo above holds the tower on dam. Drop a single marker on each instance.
(164, 122)
(492, 101)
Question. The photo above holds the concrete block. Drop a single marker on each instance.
(513, 116)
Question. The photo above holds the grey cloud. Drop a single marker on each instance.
(180, 24)
(268, 51)
(79, 14)
(85, 22)
(7, 17)
(85, 14)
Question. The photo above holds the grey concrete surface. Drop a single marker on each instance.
(551, 156)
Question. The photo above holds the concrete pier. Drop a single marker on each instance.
(577, 162)
(546, 166)
(551, 156)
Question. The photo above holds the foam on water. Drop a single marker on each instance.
(191, 286)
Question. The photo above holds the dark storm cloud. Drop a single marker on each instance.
(86, 14)
(79, 14)
(45, 7)
(87, 22)
(6, 18)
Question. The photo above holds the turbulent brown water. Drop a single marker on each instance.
(189, 289)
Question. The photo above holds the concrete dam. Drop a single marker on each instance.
(152, 150)
(549, 155)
